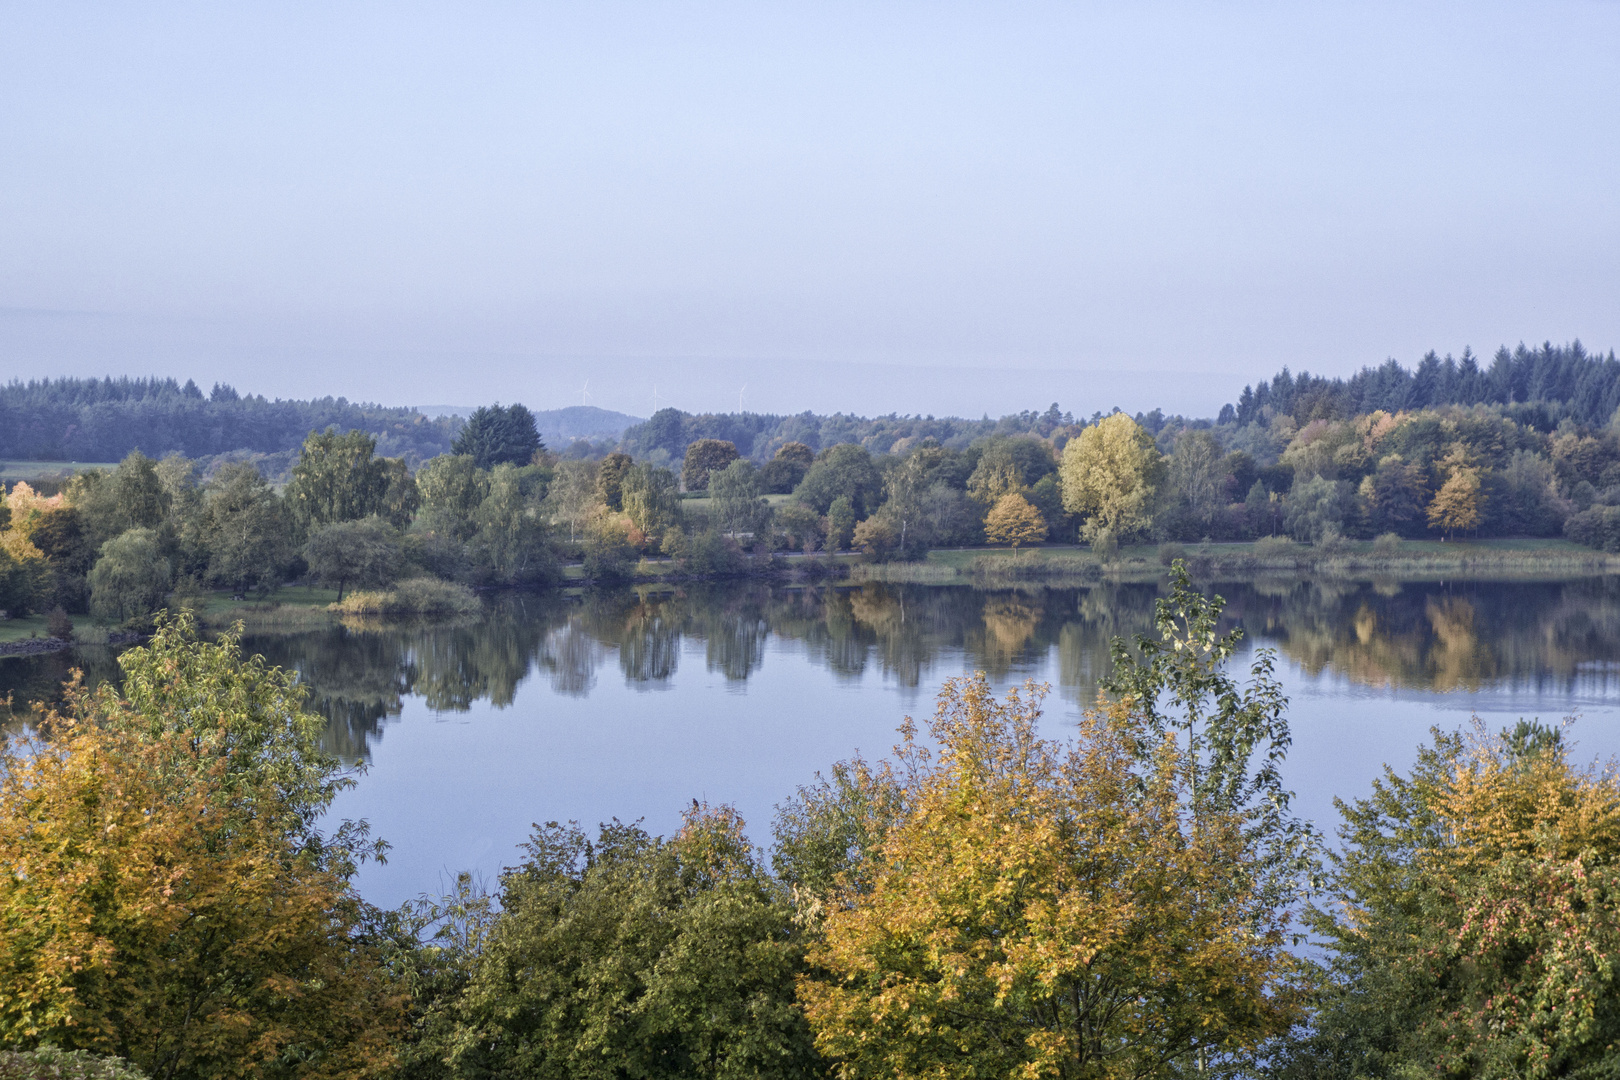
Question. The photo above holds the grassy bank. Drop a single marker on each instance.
(290, 608)
(1409, 559)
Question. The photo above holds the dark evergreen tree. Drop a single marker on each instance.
(496, 435)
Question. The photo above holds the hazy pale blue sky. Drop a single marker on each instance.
(926, 207)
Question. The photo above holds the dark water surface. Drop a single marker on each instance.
(629, 706)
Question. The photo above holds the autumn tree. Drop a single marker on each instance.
(1457, 504)
(1473, 927)
(166, 893)
(1043, 910)
(1012, 520)
(1109, 474)
(703, 457)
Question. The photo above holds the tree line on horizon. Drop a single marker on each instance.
(501, 510)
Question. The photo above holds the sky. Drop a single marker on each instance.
(930, 208)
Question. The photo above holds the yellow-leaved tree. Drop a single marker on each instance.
(1013, 520)
(1014, 907)
(165, 895)
(1109, 473)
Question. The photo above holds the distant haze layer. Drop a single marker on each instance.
(913, 207)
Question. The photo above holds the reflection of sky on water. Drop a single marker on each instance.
(458, 790)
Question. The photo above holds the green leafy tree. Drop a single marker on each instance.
(906, 489)
(652, 499)
(997, 474)
(704, 457)
(245, 530)
(801, 524)
(1393, 496)
(610, 476)
(1195, 476)
(572, 495)
(846, 471)
(132, 577)
(1109, 474)
(131, 496)
(451, 486)
(338, 478)
(840, 524)
(364, 554)
(1472, 927)
(1316, 507)
(738, 505)
(496, 435)
(513, 543)
(786, 470)
(628, 956)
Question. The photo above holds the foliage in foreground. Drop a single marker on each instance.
(165, 895)
(1477, 922)
(623, 956)
(1116, 907)
(54, 1063)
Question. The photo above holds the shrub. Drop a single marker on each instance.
(1106, 545)
(1170, 552)
(608, 555)
(57, 623)
(48, 1061)
(414, 596)
(1273, 545)
(1387, 543)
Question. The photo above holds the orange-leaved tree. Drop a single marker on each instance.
(164, 893)
(1116, 907)
(1013, 520)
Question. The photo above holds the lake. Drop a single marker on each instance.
(631, 705)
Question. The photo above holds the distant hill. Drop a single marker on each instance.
(558, 427)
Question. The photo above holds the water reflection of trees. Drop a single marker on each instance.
(1557, 635)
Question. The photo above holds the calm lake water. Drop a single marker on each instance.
(620, 705)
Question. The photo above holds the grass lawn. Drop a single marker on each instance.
(27, 470)
(22, 629)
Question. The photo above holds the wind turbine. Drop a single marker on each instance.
(740, 395)
(584, 392)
